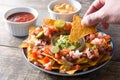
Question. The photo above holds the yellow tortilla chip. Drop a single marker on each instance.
(49, 21)
(85, 67)
(71, 72)
(56, 65)
(29, 54)
(31, 29)
(78, 31)
(102, 58)
(105, 58)
(64, 68)
(43, 63)
(95, 62)
(82, 61)
(58, 61)
(23, 45)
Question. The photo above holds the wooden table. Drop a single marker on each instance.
(13, 65)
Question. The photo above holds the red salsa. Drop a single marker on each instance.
(20, 17)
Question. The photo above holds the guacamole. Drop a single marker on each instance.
(63, 43)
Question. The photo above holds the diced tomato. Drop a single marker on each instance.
(96, 52)
(46, 59)
(92, 36)
(68, 25)
(52, 29)
(76, 67)
(57, 56)
(35, 54)
(107, 37)
(40, 56)
(47, 49)
(65, 51)
(48, 30)
(49, 68)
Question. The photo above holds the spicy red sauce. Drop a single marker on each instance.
(20, 17)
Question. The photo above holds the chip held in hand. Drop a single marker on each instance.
(78, 31)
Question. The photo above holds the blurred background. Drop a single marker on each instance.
(37, 4)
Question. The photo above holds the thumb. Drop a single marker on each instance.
(92, 19)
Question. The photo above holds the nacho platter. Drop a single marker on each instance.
(48, 49)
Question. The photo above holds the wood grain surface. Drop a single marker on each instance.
(13, 66)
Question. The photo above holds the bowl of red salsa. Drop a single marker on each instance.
(19, 19)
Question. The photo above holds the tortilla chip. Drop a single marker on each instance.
(82, 61)
(85, 67)
(56, 65)
(78, 31)
(64, 68)
(47, 21)
(29, 55)
(105, 58)
(71, 72)
(43, 63)
(31, 29)
(58, 61)
(23, 45)
(95, 62)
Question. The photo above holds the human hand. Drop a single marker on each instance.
(102, 11)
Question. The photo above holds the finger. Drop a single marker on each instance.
(91, 19)
(95, 18)
(96, 5)
(105, 25)
(95, 25)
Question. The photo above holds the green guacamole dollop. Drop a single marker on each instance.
(63, 43)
